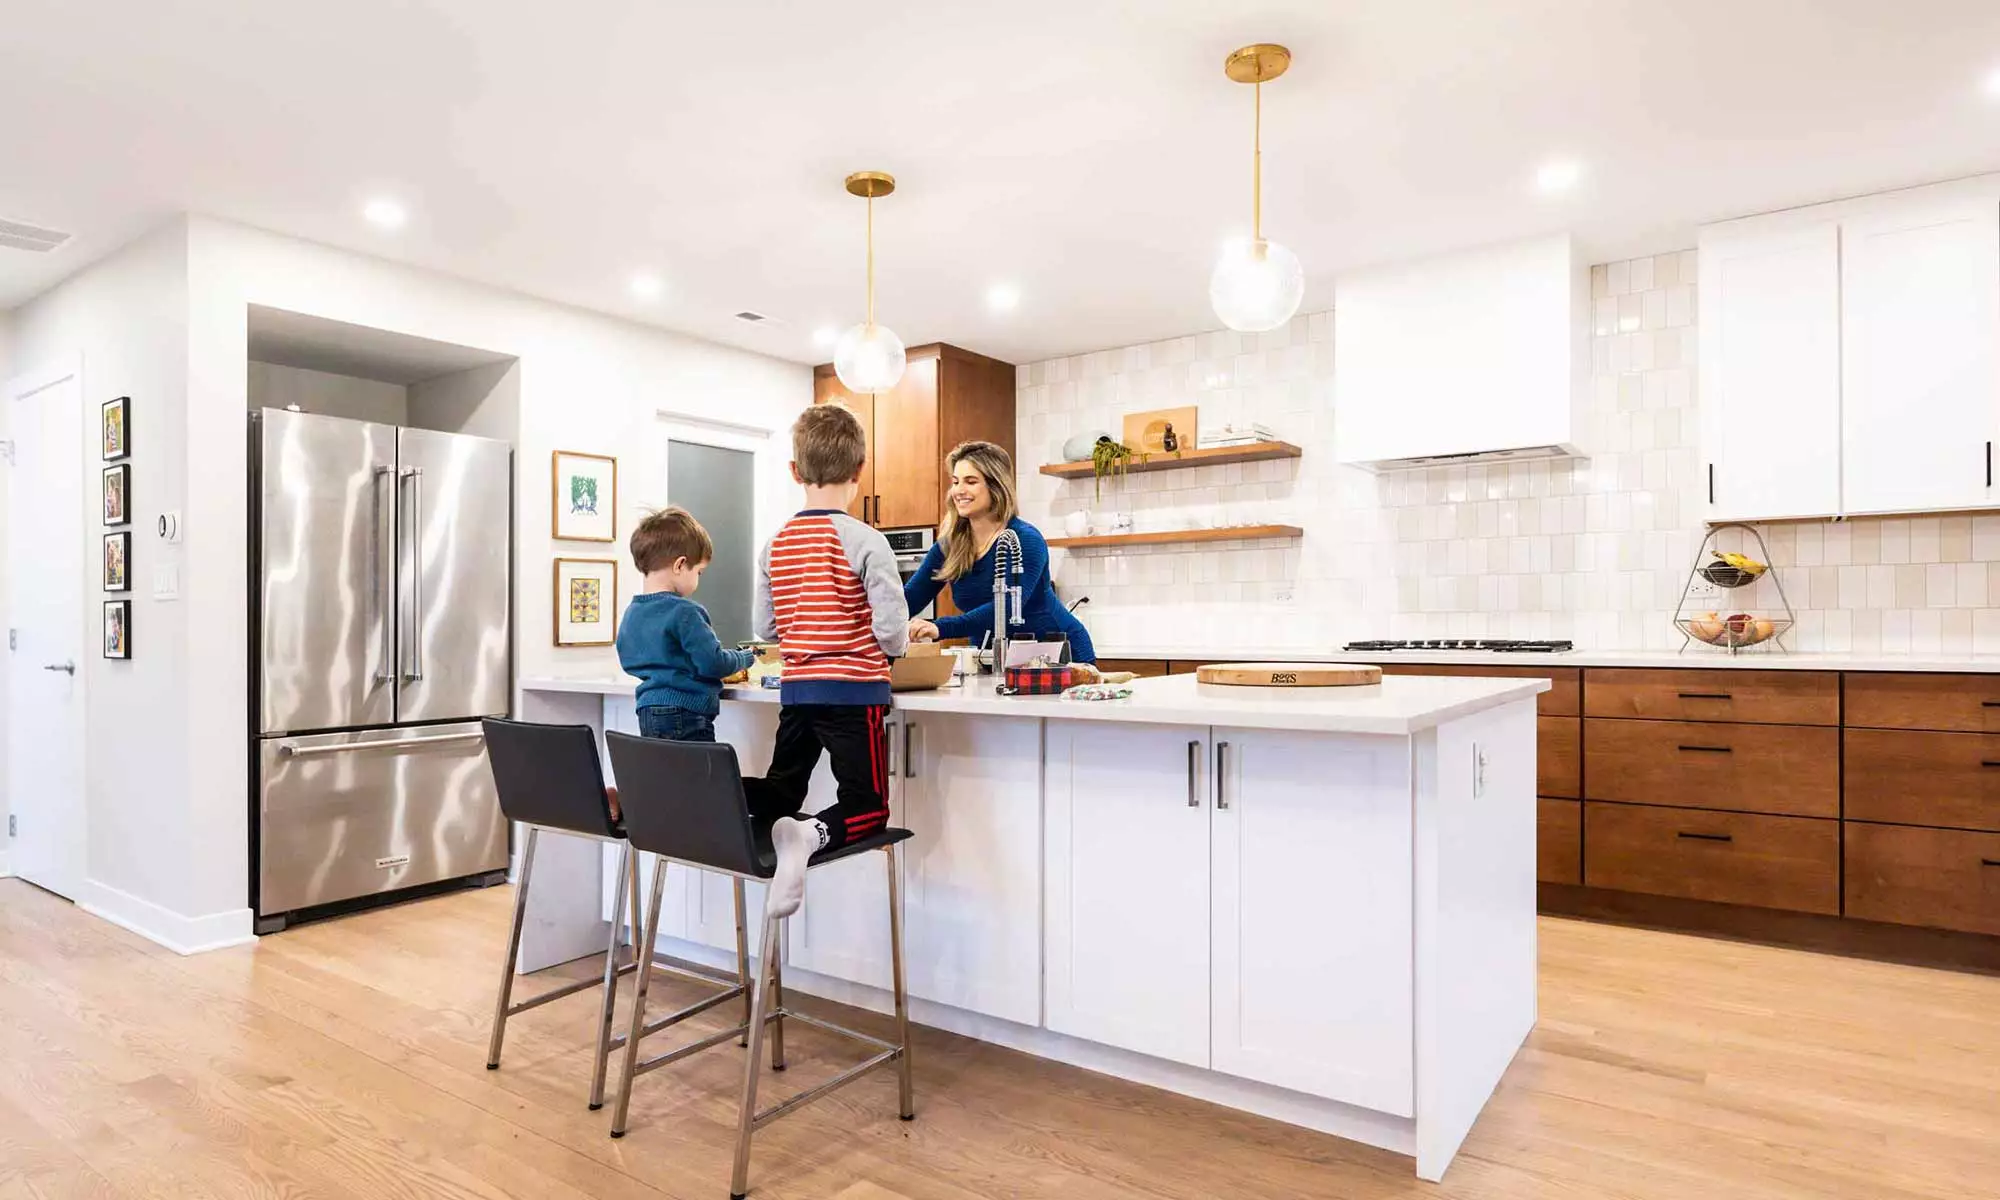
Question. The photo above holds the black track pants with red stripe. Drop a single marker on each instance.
(853, 737)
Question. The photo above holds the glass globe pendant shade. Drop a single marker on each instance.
(1257, 285)
(868, 358)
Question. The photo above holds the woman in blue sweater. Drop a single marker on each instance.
(979, 504)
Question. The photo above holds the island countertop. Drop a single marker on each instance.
(1398, 706)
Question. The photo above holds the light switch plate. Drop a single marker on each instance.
(167, 581)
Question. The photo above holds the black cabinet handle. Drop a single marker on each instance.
(878, 508)
(1989, 862)
(1706, 696)
(1989, 704)
(1708, 749)
(1989, 763)
(1989, 464)
(1705, 837)
(1711, 483)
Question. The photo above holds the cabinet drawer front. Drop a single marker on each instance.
(1563, 699)
(1559, 841)
(1937, 877)
(1953, 703)
(1559, 757)
(1730, 858)
(1715, 694)
(1793, 770)
(1908, 777)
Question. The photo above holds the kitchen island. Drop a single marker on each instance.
(1313, 904)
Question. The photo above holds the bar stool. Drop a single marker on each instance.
(684, 802)
(550, 777)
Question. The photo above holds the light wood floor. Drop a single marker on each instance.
(347, 1060)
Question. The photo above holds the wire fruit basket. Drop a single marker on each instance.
(1733, 605)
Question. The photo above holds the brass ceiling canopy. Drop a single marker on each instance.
(871, 184)
(1258, 63)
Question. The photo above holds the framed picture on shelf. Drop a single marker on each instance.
(584, 504)
(586, 601)
(117, 561)
(118, 629)
(116, 429)
(118, 494)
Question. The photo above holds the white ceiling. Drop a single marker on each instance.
(1090, 152)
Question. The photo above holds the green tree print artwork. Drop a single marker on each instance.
(582, 495)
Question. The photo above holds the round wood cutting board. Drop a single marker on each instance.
(1289, 674)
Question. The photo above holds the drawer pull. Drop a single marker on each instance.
(1706, 696)
(1708, 749)
(1989, 704)
(1706, 837)
(1988, 762)
(1989, 862)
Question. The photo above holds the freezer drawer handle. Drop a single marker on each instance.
(378, 587)
(416, 631)
(291, 750)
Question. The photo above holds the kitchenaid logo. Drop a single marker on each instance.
(394, 860)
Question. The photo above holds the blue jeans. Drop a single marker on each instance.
(676, 725)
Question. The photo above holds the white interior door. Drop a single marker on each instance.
(46, 622)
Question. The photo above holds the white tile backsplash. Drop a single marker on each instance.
(1595, 550)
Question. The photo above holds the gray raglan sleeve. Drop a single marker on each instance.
(875, 565)
(763, 615)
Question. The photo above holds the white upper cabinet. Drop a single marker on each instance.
(1481, 353)
(1920, 356)
(1770, 371)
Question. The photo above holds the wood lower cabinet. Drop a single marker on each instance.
(1714, 694)
(1559, 757)
(1559, 841)
(827, 389)
(1563, 699)
(1916, 777)
(1731, 858)
(1941, 878)
(1946, 703)
(1784, 769)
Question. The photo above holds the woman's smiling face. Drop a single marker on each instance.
(969, 494)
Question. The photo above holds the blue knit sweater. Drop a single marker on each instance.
(972, 592)
(667, 642)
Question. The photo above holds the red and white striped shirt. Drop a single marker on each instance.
(829, 592)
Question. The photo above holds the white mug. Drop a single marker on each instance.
(1077, 524)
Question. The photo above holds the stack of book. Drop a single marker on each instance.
(1241, 433)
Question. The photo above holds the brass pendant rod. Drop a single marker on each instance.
(871, 261)
(1257, 169)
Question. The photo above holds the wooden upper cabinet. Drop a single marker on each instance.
(909, 467)
(827, 389)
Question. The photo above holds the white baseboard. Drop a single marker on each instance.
(182, 935)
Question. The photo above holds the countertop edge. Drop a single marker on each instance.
(1806, 660)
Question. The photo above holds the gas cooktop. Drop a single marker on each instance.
(1495, 645)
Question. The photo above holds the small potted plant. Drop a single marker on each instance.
(1110, 457)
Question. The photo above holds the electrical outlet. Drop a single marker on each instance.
(1282, 594)
(1478, 770)
(10, 825)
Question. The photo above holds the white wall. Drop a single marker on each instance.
(274, 386)
(126, 316)
(8, 369)
(482, 401)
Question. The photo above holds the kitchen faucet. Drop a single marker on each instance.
(1006, 601)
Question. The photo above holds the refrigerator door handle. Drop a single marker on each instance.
(292, 750)
(415, 632)
(381, 583)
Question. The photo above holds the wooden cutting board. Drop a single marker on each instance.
(1289, 674)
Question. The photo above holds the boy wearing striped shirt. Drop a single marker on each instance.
(829, 593)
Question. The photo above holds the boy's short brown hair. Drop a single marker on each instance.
(828, 445)
(668, 535)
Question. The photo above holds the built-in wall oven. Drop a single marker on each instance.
(910, 546)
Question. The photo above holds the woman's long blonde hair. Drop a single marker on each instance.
(961, 549)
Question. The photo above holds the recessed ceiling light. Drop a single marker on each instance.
(385, 214)
(647, 287)
(1558, 176)
(1003, 297)
(825, 335)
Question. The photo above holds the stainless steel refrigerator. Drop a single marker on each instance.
(381, 630)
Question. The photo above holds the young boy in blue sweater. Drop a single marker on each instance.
(666, 639)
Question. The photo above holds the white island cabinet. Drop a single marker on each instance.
(1313, 904)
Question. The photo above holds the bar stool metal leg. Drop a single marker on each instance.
(905, 1093)
(743, 959)
(638, 1032)
(625, 867)
(776, 1009)
(513, 952)
(760, 1011)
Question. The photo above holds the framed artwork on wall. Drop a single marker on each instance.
(118, 494)
(118, 629)
(116, 428)
(117, 561)
(586, 601)
(584, 503)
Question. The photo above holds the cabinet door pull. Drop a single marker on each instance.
(1989, 762)
(1194, 769)
(1707, 749)
(878, 508)
(1989, 464)
(1706, 696)
(1989, 862)
(1989, 704)
(1705, 837)
(909, 754)
(889, 736)
(1222, 776)
(1711, 483)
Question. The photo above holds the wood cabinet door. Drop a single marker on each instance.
(909, 473)
(1920, 356)
(1127, 896)
(827, 389)
(972, 913)
(1330, 1013)
(1770, 371)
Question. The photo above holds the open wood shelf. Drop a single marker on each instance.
(1236, 533)
(1214, 457)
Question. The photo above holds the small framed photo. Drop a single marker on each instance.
(117, 561)
(118, 494)
(586, 601)
(584, 504)
(116, 430)
(118, 629)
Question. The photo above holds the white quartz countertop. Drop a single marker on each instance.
(1398, 706)
(1695, 657)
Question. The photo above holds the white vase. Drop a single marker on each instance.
(1077, 524)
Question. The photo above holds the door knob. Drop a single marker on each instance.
(67, 668)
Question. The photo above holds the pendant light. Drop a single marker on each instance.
(1257, 284)
(869, 357)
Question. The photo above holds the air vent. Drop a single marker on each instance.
(753, 318)
(19, 235)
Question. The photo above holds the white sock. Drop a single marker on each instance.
(796, 839)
